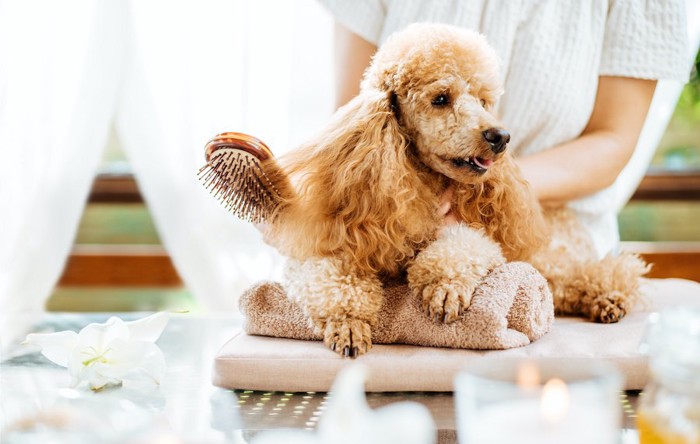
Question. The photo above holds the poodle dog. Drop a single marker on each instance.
(363, 197)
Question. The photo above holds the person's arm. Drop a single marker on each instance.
(593, 161)
(352, 56)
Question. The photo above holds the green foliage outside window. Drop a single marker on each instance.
(680, 147)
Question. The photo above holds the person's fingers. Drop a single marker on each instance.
(265, 230)
(444, 208)
(446, 201)
(450, 219)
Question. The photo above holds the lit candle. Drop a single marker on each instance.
(554, 405)
(566, 409)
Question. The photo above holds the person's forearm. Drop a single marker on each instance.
(577, 168)
(593, 161)
(352, 56)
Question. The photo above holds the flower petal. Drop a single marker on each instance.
(98, 375)
(404, 422)
(75, 367)
(95, 373)
(135, 360)
(96, 337)
(348, 418)
(348, 414)
(56, 347)
(149, 328)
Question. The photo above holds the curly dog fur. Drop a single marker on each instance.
(367, 190)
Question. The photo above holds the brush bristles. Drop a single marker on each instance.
(237, 179)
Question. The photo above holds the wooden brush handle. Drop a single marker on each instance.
(239, 141)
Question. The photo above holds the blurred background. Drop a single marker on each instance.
(281, 65)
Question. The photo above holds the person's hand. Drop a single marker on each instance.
(445, 208)
(262, 227)
(266, 231)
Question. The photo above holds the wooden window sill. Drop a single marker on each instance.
(150, 266)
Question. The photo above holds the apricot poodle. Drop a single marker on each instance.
(364, 196)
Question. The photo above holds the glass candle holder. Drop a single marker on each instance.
(669, 410)
(538, 401)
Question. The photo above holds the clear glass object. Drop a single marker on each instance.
(669, 410)
(539, 401)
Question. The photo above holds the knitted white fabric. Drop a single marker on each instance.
(552, 54)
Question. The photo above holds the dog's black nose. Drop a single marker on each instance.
(497, 138)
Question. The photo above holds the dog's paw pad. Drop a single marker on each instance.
(349, 338)
(443, 302)
(609, 308)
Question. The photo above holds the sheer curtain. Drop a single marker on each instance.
(168, 75)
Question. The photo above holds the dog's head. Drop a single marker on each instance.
(443, 83)
(426, 100)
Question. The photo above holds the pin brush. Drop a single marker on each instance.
(241, 173)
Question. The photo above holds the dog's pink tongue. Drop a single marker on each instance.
(483, 163)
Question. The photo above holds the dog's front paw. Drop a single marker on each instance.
(350, 337)
(444, 275)
(609, 308)
(444, 301)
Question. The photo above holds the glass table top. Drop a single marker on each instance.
(35, 403)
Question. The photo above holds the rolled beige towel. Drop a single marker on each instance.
(511, 308)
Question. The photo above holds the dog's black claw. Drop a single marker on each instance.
(444, 318)
(355, 352)
(333, 346)
(346, 352)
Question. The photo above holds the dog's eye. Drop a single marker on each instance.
(441, 100)
(483, 103)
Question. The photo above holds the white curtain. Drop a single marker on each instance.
(168, 75)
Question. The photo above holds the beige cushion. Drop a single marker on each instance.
(263, 363)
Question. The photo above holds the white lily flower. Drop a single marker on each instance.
(350, 420)
(115, 352)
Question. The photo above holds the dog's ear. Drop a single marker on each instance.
(505, 206)
(359, 171)
(363, 145)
